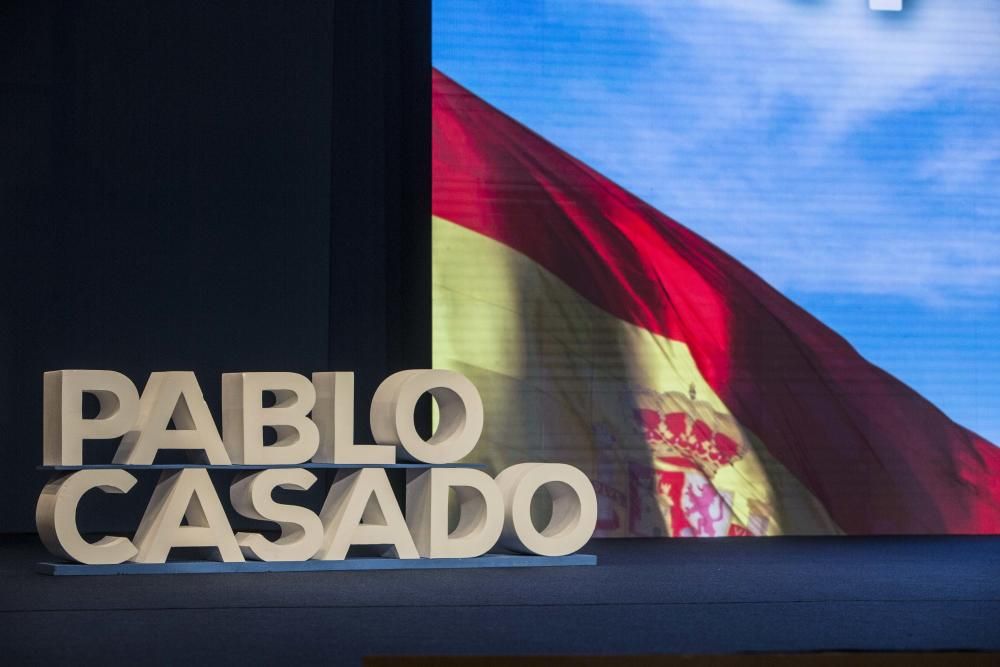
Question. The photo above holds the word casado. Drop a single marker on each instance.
(313, 421)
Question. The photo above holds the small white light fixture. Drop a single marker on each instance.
(885, 5)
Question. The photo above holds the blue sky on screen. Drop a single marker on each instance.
(850, 157)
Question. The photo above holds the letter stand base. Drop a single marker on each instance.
(349, 564)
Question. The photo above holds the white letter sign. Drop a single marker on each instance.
(334, 415)
(361, 509)
(314, 422)
(459, 404)
(480, 517)
(64, 429)
(574, 508)
(172, 396)
(55, 517)
(185, 494)
(244, 418)
(301, 530)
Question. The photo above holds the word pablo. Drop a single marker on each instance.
(314, 421)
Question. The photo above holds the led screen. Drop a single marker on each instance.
(738, 261)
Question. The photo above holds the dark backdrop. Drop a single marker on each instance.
(207, 186)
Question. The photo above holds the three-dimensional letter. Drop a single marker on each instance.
(480, 507)
(55, 516)
(574, 508)
(334, 415)
(64, 429)
(459, 404)
(301, 530)
(361, 509)
(179, 494)
(174, 395)
(244, 418)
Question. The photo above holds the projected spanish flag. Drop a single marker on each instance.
(700, 401)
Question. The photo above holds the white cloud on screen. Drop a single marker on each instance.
(964, 163)
(851, 62)
(750, 125)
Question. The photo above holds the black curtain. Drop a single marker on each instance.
(207, 186)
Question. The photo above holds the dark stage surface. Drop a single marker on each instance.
(645, 596)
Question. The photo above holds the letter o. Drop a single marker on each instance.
(574, 508)
(459, 404)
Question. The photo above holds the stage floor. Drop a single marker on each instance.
(645, 596)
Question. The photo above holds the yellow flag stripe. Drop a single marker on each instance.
(564, 380)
